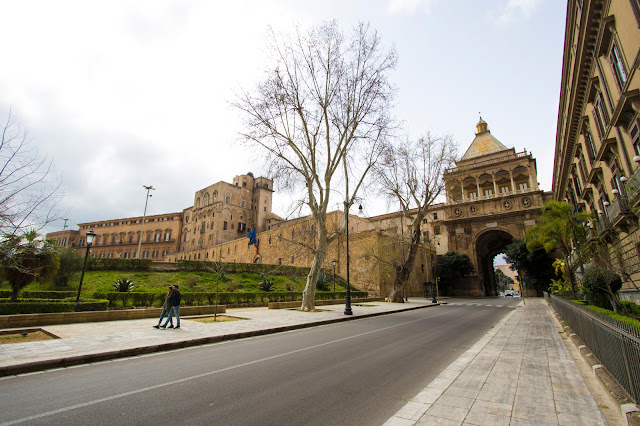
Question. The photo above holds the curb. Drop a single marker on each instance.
(31, 367)
(630, 411)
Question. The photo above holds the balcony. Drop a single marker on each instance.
(632, 187)
(603, 225)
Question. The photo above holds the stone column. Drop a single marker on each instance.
(495, 188)
(530, 184)
(477, 187)
(513, 186)
(462, 189)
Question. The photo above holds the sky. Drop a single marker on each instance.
(122, 94)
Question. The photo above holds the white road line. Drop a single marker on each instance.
(210, 373)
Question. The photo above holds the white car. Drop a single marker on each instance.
(508, 293)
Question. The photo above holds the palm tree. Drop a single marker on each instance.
(25, 258)
(561, 227)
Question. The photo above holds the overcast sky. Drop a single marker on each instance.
(129, 93)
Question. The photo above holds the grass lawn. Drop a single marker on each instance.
(157, 281)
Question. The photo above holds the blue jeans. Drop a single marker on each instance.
(176, 310)
(165, 311)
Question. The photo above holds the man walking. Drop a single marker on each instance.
(166, 307)
(175, 307)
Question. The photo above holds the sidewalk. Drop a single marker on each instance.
(519, 373)
(97, 341)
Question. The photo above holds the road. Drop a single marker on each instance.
(357, 373)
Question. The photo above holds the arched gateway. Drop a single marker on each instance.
(492, 198)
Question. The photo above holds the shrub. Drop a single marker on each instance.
(323, 281)
(192, 281)
(559, 286)
(70, 263)
(41, 294)
(631, 308)
(119, 264)
(233, 286)
(51, 306)
(123, 285)
(603, 282)
(266, 285)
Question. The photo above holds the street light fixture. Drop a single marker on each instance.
(90, 236)
(148, 188)
(347, 307)
(333, 262)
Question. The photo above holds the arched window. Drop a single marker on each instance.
(206, 199)
(227, 198)
(198, 203)
(215, 196)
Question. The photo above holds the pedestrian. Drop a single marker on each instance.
(166, 308)
(175, 307)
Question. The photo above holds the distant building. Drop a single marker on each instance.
(597, 149)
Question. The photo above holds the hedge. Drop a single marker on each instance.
(40, 294)
(140, 299)
(119, 264)
(51, 306)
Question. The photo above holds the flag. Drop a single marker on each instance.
(253, 240)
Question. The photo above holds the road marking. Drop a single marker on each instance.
(210, 373)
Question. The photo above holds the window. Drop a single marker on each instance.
(617, 63)
(265, 209)
(600, 114)
(113, 240)
(227, 198)
(167, 236)
(203, 226)
(206, 200)
(435, 216)
(109, 256)
(154, 254)
(635, 137)
(591, 148)
(243, 203)
(293, 259)
(583, 168)
(293, 234)
(135, 254)
(522, 186)
(436, 230)
(473, 195)
(242, 227)
(145, 254)
(576, 183)
(158, 237)
(224, 225)
(488, 192)
(269, 239)
(198, 203)
(504, 189)
(215, 196)
(126, 255)
(130, 239)
(165, 253)
(148, 237)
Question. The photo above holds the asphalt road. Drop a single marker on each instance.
(358, 373)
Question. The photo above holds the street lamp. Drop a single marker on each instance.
(347, 307)
(333, 262)
(90, 236)
(148, 188)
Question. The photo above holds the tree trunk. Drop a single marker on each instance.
(14, 294)
(309, 293)
(570, 276)
(402, 277)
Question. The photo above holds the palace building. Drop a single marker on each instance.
(492, 196)
(597, 151)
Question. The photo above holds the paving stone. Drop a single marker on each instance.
(582, 420)
(432, 420)
(476, 417)
(413, 411)
(542, 414)
(448, 412)
(397, 421)
(456, 401)
(495, 408)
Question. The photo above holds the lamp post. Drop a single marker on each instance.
(347, 308)
(90, 236)
(148, 188)
(333, 262)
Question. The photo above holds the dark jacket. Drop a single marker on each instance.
(167, 301)
(175, 298)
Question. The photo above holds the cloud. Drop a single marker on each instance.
(410, 6)
(518, 9)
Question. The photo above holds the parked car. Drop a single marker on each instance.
(508, 293)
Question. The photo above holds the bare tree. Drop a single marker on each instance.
(411, 174)
(29, 189)
(321, 116)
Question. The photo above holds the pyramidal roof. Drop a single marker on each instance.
(484, 143)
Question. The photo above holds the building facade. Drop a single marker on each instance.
(597, 149)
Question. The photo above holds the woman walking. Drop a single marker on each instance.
(166, 308)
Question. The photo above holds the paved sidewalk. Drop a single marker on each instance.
(96, 341)
(519, 373)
